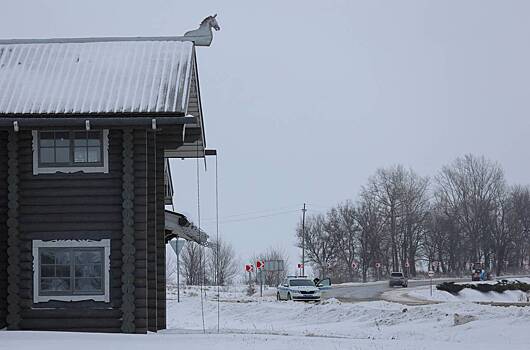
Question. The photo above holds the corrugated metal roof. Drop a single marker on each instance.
(95, 77)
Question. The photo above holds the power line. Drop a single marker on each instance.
(259, 217)
(252, 213)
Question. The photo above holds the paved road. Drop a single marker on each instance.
(373, 291)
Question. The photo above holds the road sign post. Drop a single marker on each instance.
(300, 269)
(249, 268)
(259, 267)
(431, 275)
(378, 268)
(177, 245)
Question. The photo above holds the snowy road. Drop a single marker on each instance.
(373, 291)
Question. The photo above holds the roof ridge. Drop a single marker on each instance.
(93, 40)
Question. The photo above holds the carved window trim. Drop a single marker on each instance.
(37, 244)
(39, 168)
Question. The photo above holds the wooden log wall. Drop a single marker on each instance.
(92, 206)
(127, 248)
(3, 229)
(70, 206)
(14, 270)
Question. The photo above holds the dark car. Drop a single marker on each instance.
(398, 279)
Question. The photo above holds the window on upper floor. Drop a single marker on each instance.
(70, 151)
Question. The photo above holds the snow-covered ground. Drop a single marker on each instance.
(470, 295)
(263, 323)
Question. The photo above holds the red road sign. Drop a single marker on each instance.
(259, 265)
(354, 265)
(407, 264)
(249, 268)
(300, 266)
(377, 264)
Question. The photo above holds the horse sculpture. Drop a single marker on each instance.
(203, 35)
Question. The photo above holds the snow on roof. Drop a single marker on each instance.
(108, 76)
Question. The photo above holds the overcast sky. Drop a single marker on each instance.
(304, 100)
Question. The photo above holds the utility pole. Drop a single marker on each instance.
(303, 240)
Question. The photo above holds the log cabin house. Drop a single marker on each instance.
(86, 130)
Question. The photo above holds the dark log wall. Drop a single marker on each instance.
(14, 269)
(91, 206)
(150, 272)
(141, 228)
(70, 206)
(3, 229)
(160, 238)
(127, 246)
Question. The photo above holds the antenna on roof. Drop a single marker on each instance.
(203, 35)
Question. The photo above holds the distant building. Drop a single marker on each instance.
(86, 128)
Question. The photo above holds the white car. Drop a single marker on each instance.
(300, 288)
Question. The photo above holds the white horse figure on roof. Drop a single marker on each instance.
(203, 35)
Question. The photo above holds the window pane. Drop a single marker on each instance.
(62, 257)
(45, 284)
(47, 155)
(88, 270)
(47, 256)
(88, 284)
(89, 256)
(61, 284)
(80, 138)
(62, 271)
(62, 155)
(54, 284)
(62, 139)
(47, 271)
(46, 139)
(94, 138)
(94, 155)
(80, 155)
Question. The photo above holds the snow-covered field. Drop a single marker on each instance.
(264, 323)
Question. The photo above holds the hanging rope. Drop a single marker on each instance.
(217, 239)
(201, 262)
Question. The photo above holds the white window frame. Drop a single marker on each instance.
(104, 243)
(39, 169)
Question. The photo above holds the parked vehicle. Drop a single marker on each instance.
(478, 273)
(301, 288)
(398, 279)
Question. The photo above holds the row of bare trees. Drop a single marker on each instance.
(404, 222)
(212, 265)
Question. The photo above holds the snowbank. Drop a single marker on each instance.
(470, 295)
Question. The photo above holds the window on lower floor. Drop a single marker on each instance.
(71, 270)
(70, 151)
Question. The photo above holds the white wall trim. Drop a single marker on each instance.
(52, 170)
(104, 243)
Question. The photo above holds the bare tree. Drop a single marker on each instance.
(344, 231)
(371, 228)
(273, 278)
(319, 247)
(192, 260)
(222, 264)
(469, 190)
